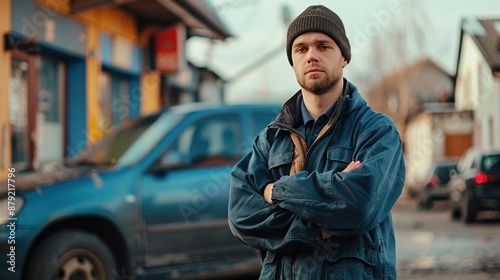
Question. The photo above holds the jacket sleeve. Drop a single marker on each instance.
(347, 204)
(253, 220)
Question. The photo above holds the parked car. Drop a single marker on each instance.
(433, 186)
(148, 201)
(476, 186)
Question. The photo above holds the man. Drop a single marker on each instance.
(315, 193)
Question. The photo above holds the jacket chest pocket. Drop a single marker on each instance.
(279, 163)
(338, 157)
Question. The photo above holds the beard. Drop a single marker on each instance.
(318, 85)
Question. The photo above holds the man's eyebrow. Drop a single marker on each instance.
(315, 42)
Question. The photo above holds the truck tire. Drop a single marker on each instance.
(468, 214)
(455, 213)
(71, 254)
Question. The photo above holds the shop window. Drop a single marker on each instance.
(18, 114)
(50, 131)
(114, 99)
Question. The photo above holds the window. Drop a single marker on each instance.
(443, 172)
(114, 99)
(491, 163)
(18, 116)
(209, 142)
(50, 118)
(37, 99)
(110, 149)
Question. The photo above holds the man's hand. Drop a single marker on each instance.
(268, 191)
(354, 164)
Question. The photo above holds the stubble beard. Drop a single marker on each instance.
(318, 85)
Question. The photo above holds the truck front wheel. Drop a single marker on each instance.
(71, 254)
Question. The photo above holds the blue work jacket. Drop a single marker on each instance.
(354, 207)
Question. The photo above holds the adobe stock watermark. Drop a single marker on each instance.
(203, 197)
(378, 21)
(32, 27)
(428, 149)
(486, 85)
(137, 95)
(218, 185)
(222, 5)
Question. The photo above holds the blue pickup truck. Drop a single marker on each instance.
(148, 201)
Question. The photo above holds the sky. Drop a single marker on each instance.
(259, 34)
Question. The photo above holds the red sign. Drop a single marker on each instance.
(169, 49)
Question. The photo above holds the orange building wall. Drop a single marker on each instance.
(114, 21)
(150, 92)
(107, 19)
(5, 26)
(94, 131)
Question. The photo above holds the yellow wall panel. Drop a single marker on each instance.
(5, 22)
(110, 19)
(113, 20)
(57, 5)
(150, 89)
(93, 73)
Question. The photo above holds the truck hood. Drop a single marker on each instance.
(36, 180)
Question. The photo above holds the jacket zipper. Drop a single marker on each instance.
(333, 127)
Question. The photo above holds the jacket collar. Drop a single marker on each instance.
(290, 115)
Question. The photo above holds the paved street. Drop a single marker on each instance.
(432, 246)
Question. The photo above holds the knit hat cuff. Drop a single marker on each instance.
(319, 19)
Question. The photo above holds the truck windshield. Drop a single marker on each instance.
(113, 145)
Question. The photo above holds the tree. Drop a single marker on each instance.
(393, 73)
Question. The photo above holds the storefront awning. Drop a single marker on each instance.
(198, 16)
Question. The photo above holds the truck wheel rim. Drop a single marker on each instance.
(79, 265)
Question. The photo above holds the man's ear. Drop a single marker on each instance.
(344, 62)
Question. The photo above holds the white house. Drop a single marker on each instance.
(438, 133)
(431, 128)
(477, 86)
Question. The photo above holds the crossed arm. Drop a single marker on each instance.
(269, 188)
(268, 191)
(281, 215)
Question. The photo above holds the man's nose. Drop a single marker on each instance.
(312, 55)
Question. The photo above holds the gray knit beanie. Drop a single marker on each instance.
(318, 18)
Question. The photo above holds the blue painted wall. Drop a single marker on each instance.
(107, 57)
(132, 74)
(76, 108)
(135, 97)
(29, 19)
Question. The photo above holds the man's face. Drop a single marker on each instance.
(317, 62)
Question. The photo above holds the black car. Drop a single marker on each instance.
(476, 186)
(433, 186)
(148, 201)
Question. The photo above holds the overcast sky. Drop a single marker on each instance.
(259, 29)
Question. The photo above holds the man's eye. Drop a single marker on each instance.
(324, 47)
(300, 49)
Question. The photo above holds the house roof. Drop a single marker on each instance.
(414, 73)
(486, 35)
(199, 17)
(413, 85)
